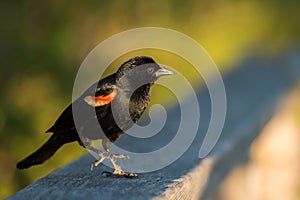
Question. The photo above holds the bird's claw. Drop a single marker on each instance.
(119, 156)
(92, 166)
(119, 174)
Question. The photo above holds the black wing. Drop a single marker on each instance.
(65, 121)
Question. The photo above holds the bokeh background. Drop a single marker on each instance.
(44, 42)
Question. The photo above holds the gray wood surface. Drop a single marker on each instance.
(253, 91)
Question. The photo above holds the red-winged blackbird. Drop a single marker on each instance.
(116, 102)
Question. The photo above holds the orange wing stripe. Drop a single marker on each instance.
(107, 99)
(100, 100)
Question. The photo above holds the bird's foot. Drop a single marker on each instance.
(112, 157)
(119, 174)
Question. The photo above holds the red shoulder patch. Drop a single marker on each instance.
(96, 101)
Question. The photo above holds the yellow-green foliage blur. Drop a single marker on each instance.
(44, 42)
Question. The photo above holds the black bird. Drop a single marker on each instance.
(115, 102)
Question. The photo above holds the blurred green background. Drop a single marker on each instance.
(44, 42)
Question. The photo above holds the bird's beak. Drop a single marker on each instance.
(163, 72)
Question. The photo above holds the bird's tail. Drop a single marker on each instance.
(44, 152)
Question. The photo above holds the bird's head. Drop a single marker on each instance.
(140, 71)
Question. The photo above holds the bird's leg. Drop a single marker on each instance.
(118, 171)
(113, 158)
(102, 155)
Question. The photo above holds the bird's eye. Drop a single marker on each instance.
(150, 70)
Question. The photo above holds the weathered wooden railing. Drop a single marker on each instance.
(253, 91)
